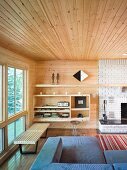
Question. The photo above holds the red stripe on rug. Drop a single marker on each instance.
(112, 142)
(102, 143)
(124, 138)
(120, 142)
(108, 144)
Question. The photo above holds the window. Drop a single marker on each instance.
(19, 91)
(15, 129)
(11, 132)
(20, 126)
(15, 91)
(1, 140)
(1, 117)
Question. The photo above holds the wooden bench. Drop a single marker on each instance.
(31, 136)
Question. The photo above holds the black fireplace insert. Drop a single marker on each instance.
(123, 111)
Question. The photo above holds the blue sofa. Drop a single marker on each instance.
(77, 153)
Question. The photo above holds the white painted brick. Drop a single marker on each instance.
(112, 72)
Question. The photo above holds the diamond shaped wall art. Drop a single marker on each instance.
(80, 75)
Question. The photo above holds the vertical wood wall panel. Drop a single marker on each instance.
(66, 70)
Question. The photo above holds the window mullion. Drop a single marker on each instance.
(14, 91)
(5, 104)
(15, 129)
(23, 106)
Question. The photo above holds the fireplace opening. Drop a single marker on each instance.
(123, 111)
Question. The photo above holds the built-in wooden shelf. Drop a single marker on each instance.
(60, 95)
(57, 112)
(78, 85)
(50, 107)
(52, 111)
(78, 109)
(65, 85)
(59, 119)
(51, 95)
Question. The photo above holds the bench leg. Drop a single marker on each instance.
(28, 152)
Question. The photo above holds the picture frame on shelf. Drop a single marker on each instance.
(80, 102)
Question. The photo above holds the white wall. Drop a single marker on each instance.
(112, 72)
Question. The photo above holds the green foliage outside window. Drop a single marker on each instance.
(1, 140)
(15, 129)
(15, 91)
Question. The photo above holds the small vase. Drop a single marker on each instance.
(53, 78)
(57, 78)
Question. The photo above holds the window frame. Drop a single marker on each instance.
(15, 134)
(3, 139)
(5, 119)
(24, 91)
(2, 95)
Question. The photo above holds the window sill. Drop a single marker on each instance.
(17, 116)
(6, 153)
(13, 118)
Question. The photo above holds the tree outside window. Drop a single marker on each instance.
(15, 91)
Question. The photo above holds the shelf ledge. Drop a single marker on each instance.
(60, 119)
(74, 109)
(65, 85)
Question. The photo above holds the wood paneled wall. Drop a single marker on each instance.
(41, 72)
(66, 70)
(12, 59)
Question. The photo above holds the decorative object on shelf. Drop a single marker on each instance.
(39, 115)
(80, 75)
(55, 115)
(80, 115)
(63, 104)
(64, 115)
(40, 93)
(54, 93)
(124, 89)
(66, 93)
(104, 115)
(53, 78)
(47, 114)
(57, 78)
(80, 102)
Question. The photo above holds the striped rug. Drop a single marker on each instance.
(113, 142)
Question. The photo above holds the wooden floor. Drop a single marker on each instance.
(23, 162)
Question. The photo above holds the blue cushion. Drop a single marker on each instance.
(51, 152)
(81, 149)
(120, 166)
(65, 166)
(58, 152)
(115, 156)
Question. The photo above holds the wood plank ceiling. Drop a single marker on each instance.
(64, 29)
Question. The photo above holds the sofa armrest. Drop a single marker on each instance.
(120, 166)
(51, 152)
(76, 166)
(115, 156)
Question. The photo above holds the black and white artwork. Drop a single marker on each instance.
(80, 75)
